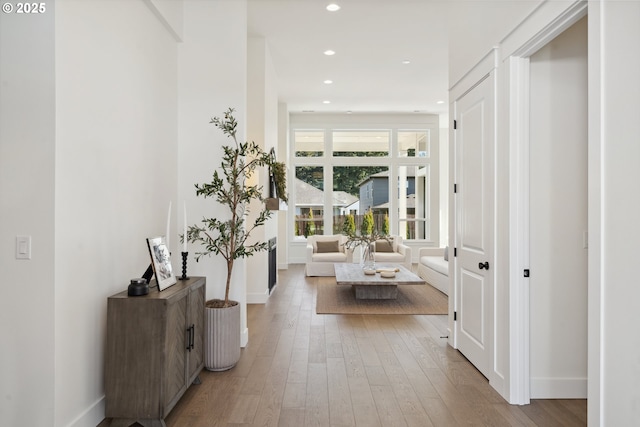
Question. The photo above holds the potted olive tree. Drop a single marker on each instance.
(229, 236)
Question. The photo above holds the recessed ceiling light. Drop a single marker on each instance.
(333, 7)
(326, 102)
(440, 102)
(349, 112)
(328, 82)
(406, 61)
(329, 52)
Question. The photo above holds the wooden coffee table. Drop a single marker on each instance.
(374, 286)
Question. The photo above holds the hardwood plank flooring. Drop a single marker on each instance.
(302, 369)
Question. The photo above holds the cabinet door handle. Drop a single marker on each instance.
(193, 336)
(483, 265)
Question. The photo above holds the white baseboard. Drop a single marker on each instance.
(558, 388)
(284, 266)
(258, 297)
(92, 416)
(244, 338)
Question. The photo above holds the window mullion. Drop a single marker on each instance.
(393, 197)
(328, 181)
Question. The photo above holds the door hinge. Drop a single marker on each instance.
(455, 252)
(526, 272)
(455, 316)
(455, 124)
(455, 188)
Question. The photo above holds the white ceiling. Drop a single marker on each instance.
(371, 38)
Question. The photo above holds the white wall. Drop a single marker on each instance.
(212, 69)
(614, 294)
(169, 13)
(558, 221)
(283, 155)
(116, 171)
(89, 175)
(27, 172)
(262, 127)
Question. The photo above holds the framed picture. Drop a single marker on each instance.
(161, 262)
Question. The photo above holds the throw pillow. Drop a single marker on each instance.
(327, 246)
(446, 253)
(383, 246)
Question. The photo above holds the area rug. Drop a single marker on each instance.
(412, 299)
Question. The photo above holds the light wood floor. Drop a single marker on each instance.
(303, 369)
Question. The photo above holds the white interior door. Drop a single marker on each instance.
(474, 200)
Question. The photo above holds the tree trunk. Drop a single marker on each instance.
(226, 292)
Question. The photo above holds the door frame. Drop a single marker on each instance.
(516, 65)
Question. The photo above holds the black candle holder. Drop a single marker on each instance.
(184, 266)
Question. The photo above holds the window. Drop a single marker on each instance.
(378, 162)
(309, 197)
(413, 202)
(360, 143)
(413, 143)
(358, 189)
(309, 143)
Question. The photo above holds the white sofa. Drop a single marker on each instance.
(320, 258)
(400, 253)
(433, 267)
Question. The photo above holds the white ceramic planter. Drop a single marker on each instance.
(222, 338)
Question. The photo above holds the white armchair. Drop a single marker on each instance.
(393, 251)
(323, 251)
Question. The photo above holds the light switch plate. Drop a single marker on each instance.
(23, 247)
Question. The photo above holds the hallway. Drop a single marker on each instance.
(303, 369)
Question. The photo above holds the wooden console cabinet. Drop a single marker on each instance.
(155, 351)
